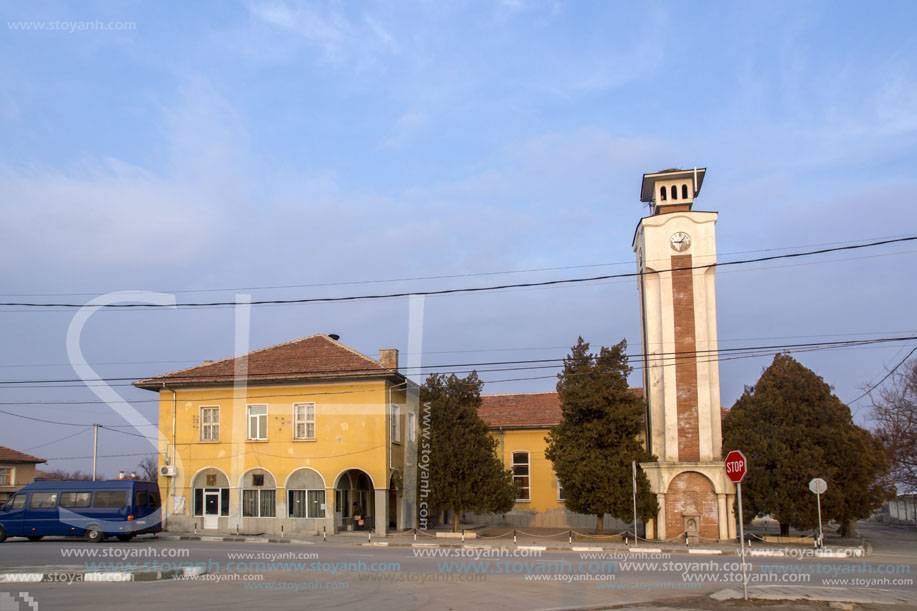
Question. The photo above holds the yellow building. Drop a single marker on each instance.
(302, 437)
(520, 423)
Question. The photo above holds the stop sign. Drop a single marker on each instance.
(736, 466)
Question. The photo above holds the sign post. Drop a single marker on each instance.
(634, 483)
(818, 486)
(736, 466)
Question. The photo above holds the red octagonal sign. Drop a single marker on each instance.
(736, 466)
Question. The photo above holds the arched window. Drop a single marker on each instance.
(662, 193)
(674, 192)
(684, 191)
(259, 494)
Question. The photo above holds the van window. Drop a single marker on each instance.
(154, 499)
(75, 499)
(110, 498)
(43, 500)
(18, 502)
(141, 498)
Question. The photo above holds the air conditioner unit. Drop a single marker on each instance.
(167, 471)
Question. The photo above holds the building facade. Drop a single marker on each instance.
(309, 436)
(676, 250)
(520, 423)
(17, 469)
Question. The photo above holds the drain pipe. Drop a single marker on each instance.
(172, 459)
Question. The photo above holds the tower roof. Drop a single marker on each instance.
(649, 180)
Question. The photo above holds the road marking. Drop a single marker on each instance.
(705, 551)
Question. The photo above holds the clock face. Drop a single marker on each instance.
(680, 241)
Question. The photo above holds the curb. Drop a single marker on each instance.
(100, 576)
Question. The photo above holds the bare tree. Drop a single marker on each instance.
(895, 417)
(64, 475)
(149, 468)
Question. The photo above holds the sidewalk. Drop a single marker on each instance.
(554, 541)
(77, 573)
(820, 594)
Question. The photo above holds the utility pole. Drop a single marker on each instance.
(95, 449)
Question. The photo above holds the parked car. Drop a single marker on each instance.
(94, 510)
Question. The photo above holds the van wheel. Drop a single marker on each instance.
(35, 538)
(94, 534)
(125, 537)
(2, 535)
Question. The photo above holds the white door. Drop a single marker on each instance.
(211, 510)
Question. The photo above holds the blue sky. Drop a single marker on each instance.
(190, 146)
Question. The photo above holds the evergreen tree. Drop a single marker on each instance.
(792, 429)
(599, 436)
(465, 472)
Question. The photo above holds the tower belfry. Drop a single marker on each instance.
(675, 247)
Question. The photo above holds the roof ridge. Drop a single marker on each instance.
(335, 343)
(516, 394)
(348, 348)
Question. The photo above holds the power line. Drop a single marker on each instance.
(435, 277)
(58, 440)
(885, 377)
(305, 372)
(455, 290)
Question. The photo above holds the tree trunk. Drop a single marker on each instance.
(784, 530)
(600, 524)
(849, 528)
(455, 521)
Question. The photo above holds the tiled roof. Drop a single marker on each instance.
(8, 455)
(526, 410)
(316, 356)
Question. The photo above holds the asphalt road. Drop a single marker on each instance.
(356, 577)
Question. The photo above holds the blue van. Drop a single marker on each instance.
(94, 510)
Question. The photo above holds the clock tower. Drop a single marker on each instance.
(676, 248)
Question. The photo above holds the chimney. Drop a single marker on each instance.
(120, 474)
(389, 358)
(133, 475)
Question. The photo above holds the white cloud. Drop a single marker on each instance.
(338, 38)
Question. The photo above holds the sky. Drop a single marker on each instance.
(281, 150)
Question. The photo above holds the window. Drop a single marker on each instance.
(75, 499)
(257, 422)
(662, 192)
(210, 424)
(560, 492)
(684, 191)
(521, 475)
(18, 502)
(306, 503)
(258, 503)
(411, 427)
(154, 499)
(396, 423)
(304, 421)
(258, 479)
(674, 192)
(110, 499)
(43, 500)
(6, 476)
(141, 498)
